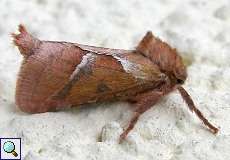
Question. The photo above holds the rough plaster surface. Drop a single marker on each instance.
(199, 29)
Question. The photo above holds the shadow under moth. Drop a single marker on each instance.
(55, 75)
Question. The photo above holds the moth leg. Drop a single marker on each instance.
(193, 108)
(144, 102)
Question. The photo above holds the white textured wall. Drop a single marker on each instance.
(199, 29)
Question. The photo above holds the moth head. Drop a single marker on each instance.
(166, 57)
(179, 70)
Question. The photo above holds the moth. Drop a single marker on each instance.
(55, 75)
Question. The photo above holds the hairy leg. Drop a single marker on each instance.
(144, 102)
(193, 108)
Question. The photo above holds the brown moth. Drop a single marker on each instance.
(55, 75)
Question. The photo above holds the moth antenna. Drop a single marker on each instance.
(24, 41)
(187, 98)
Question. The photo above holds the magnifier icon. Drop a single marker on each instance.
(9, 147)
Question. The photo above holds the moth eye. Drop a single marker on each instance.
(179, 81)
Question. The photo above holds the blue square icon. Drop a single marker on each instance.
(10, 148)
